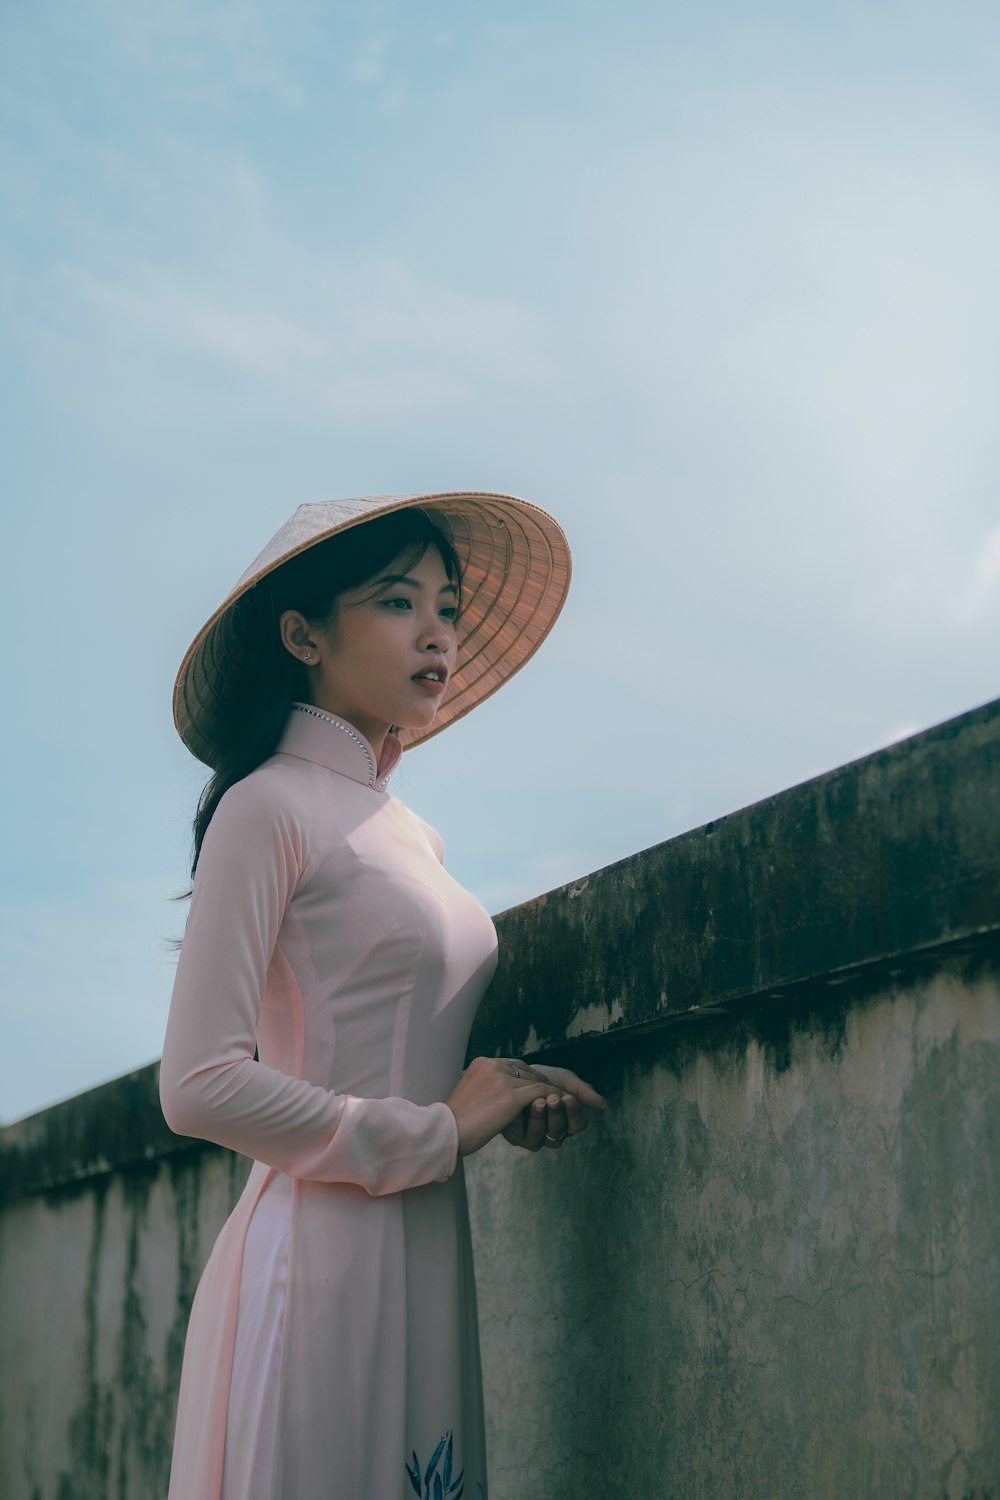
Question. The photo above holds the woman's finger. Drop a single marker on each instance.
(572, 1083)
(576, 1115)
(534, 1131)
(582, 1090)
(555, 1122)
(528, 1130)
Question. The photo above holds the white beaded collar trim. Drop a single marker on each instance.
(355, 736)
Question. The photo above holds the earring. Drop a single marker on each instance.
(308, 656)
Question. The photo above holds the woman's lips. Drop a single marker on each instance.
(429, 685)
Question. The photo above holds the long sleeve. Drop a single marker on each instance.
(253, 855)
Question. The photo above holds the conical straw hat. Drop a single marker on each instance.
(516, 571)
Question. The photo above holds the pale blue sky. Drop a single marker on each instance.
(714, 283)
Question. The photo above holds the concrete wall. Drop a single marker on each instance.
(96, 1281)
(769, 1269)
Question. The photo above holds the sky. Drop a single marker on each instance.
(714, 283)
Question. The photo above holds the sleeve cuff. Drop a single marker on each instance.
(453, 1147)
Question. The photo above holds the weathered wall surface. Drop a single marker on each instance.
(769, 1269)
(96, 1282)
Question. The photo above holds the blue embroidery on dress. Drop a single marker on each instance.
(436, 1482)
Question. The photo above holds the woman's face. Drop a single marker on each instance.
(383, 635)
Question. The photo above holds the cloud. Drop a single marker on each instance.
(981, 593)
(251, 340)
(373, 338)
(939, 591)
(366, 64)
(890, 736)
(213, 51)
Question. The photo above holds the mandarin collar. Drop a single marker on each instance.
(313, 734)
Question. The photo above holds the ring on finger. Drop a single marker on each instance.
(515, 1070)
(556, 1140)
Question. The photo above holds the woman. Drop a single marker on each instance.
(325, 989)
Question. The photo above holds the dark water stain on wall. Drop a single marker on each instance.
(90, 1427)
(144, 1426)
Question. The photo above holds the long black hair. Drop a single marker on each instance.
(268, 679)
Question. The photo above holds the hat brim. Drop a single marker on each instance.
(516, 569)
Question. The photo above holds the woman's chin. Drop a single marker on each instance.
(417, 719)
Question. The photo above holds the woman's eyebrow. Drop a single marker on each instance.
(388, 578)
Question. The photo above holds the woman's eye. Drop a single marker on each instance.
(449, 612)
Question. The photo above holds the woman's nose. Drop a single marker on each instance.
(437, 637)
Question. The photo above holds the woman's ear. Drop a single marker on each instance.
(293, 628)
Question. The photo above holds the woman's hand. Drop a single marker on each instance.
(491, 1093)
(548, 1121)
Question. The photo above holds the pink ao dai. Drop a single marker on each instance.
(332, 1349)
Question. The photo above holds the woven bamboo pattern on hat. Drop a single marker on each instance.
(516, 568)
